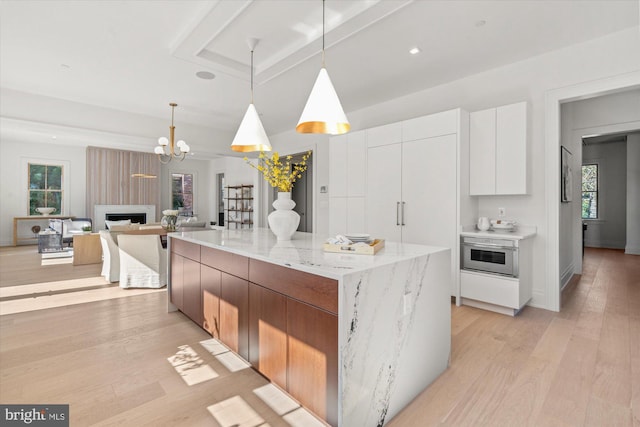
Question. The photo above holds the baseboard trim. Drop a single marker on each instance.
(566, 275)
(632, 250)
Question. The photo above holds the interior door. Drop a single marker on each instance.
(429, 182)
(384, 181)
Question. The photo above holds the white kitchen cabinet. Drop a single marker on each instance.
(482, 151)
(429, 177)
(347, 182)
(384, 197)
(498, 150)
(338, 166)
(337, 215)
(506, 295)
(384, 135)
(357, 164)
(437, 124)
(413, 187)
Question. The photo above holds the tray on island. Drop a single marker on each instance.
(370, 249)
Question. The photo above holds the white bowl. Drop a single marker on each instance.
(45, 211)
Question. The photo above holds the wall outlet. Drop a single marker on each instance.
(502, 212)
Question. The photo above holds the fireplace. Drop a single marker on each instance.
(136, 218)
(143, 214)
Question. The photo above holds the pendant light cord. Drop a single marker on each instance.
(252, 76)
(323, 34)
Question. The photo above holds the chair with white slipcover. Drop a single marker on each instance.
(110, 257)
(143, 261)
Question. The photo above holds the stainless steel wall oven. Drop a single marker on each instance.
(489, 255)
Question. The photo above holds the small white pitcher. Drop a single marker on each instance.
(483, 223)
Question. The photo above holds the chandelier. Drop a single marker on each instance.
(168, 149)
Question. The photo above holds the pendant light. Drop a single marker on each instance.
(167, 148)
(251, 135)
(323, 112)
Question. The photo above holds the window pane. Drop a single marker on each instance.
(177, 201)
(589, 205)
(37, 175)
(187, 200)
(54, 177)
(36, 200)
(176, 181)
(590, 178)
(54, 200)
(188, 184)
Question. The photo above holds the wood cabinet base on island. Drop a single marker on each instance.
(354, 339)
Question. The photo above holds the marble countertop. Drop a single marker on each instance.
(519, 233)
(304, 252)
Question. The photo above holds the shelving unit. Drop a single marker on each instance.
(239, 206)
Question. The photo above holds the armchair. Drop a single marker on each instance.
(143, 261)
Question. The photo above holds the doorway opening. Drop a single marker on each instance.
(220, 201)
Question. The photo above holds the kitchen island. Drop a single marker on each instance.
(354, 338)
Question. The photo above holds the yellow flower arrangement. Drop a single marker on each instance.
(278, 173)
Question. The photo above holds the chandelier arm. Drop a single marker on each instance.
(161, 156)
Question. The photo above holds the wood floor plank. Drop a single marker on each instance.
(605, 413)
(567, 400)
(612, 382)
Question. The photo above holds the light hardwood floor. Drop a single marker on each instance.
(109, 361)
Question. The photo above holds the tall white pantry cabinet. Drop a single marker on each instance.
(416, 183)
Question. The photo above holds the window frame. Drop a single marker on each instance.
(193, 189)
(598, 166)
(25, 179)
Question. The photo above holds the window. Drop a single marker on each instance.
(45, 187)
(182, 192)
(590, 191)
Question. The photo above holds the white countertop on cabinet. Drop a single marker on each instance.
(304, 252)
(520, 232)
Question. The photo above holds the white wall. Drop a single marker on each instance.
(609, 230)
(527, 80)
(13, 179)
(633, 194)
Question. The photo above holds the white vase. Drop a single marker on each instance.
(284, 220)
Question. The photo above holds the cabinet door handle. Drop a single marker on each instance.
(403, 204)
(397, 213)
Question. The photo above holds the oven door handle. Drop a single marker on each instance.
(490, 246)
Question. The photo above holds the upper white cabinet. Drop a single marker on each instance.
(437, 124)
(498, 150)
(384, 135)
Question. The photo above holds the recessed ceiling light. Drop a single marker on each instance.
(54, 137)
(65, 66)
(414, 50)
(205, 75)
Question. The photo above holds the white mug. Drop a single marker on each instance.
(483, 223)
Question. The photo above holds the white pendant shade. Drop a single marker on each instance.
(251, 135)
(323, 112)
